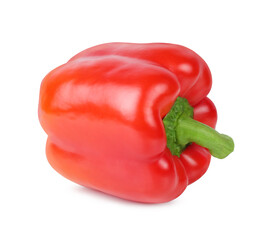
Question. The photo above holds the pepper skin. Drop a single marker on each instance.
(103, 112)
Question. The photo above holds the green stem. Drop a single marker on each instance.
(189, 130)
(182, 129)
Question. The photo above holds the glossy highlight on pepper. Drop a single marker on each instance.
(104, 113)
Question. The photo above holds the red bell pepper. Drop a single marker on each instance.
(119, 119)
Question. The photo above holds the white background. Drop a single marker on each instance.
(233, 200)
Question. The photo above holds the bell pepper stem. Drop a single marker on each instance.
(182, 130)
(189, 130)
